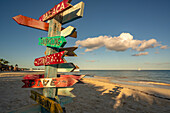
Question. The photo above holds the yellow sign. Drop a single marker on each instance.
(47, 103)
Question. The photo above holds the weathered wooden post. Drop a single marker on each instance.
(53, 60)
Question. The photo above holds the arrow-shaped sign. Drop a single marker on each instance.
(30, 22)
(73, 13)
(70, 51)
(56, 41)
(32, 77)
(47, 103)
(77, 77)
(49, 82)
(65, 67)
(56, 58)
(68, 31)
(66, 92)
(56, 10)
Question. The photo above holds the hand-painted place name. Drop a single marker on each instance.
(47, 103)
(47, 82)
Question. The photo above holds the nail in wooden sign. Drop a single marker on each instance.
(56, 58)
(73, 13)
(56, 10)
(56, 41)
(49, 82)
(47, 103)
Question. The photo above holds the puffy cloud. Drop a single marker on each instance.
(140, 54)
(147, 44)
(92, 43)
(120, 43)
(164, 47)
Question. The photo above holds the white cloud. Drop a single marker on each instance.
(120, 43)
(147, 44)
(164, 47)
(140, 54)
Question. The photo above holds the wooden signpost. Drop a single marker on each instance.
(56, 58)
(54, 62)
(56, 41)
(48, 104)
(49, 82)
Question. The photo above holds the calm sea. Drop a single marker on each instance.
(150, 78)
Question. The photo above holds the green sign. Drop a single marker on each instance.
(56, 41)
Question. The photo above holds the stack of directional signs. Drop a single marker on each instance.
(53, 83)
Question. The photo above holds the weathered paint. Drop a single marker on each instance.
(34, 108)
(70, 51)
(56, 58)
(66, 92)
(30, 22)
(65, 67)
(56, 41)
(47, 103)
(49, 82)
(32, 77)
(77, 77)
(68, 31)
(56, 10)
(73, 13)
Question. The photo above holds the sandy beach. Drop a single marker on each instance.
(96, 95)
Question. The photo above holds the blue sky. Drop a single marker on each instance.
(147, 21)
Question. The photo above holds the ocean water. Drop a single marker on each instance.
(148, 78)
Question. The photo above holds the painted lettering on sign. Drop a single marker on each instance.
(49, 82)
(47, 103)
(56, 41)
(56, 58)
(56, 10)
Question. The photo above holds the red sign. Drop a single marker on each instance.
(55, 10)
(77, 77)
(56, 58)
(30, 22)
(32, 77)
(49, 82)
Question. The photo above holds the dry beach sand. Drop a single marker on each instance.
(97, 95)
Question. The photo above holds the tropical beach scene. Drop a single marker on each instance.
(73, 56)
